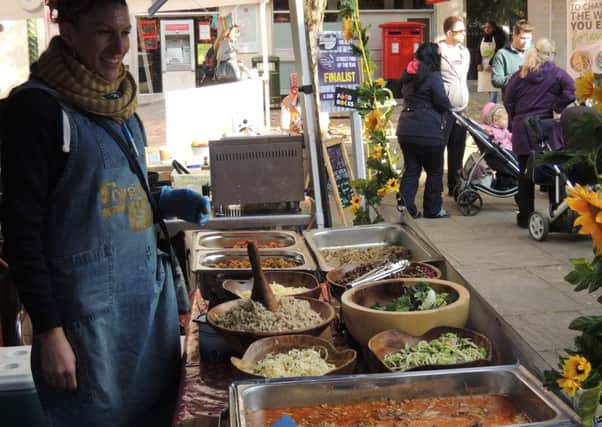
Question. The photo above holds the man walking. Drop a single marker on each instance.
(455, 61)
(508, 60)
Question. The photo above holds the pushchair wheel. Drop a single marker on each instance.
(539, 226)
(469, 202)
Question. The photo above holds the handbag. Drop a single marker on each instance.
(128, 150)
(225, 72)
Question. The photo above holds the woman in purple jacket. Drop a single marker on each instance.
(539, 89)
(421, 131)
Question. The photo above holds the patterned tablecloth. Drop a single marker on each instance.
(204, 388)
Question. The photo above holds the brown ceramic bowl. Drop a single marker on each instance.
(240, 340)
(336, 287)
(344, 360)
(392, 340)
(289, 279)
(364, 322)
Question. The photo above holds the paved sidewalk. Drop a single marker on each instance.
(522, 279)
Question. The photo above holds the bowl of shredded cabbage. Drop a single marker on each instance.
(293, 356)
(442, 347)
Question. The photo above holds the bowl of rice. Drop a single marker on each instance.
(293, 356)
(243, 321)
(282, 283)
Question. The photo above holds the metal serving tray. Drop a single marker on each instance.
(226, 240)
(541, 406)
(365, 236)
(206, 259)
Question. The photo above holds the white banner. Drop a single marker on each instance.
(584, 36)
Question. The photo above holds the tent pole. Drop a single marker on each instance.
(310, 125)
(266, 68)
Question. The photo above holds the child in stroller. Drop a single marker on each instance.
(492, 170)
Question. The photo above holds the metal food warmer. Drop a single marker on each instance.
(210, 248)
(369, 236)
(514, 382)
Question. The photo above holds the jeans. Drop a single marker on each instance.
(456, 143)
(417, 157)
(493, 97)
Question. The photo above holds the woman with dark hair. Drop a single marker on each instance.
(421, 131)
(494, 39)
(79, 228)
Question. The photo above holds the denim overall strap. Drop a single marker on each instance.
(113, 288)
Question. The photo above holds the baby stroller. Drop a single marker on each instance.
(492, 170)
(559, 217)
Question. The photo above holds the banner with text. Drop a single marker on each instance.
(584, 36)
(337, 67)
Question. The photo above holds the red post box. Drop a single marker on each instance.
(400, 41)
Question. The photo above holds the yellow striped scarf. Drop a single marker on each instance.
(83, 88)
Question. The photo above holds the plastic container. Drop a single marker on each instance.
(212, 346)
(19, 403)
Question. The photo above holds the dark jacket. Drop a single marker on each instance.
(421, 120)
(541, 93)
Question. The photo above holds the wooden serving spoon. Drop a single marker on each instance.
(261, 288)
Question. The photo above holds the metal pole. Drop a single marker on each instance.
(309, 114)
(357, 146)
(266, 68)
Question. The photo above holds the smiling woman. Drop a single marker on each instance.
(68, 225)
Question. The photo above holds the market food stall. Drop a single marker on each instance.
(212, 392)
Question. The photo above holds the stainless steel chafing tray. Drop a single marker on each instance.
(207, 260)
(365, 236)
(226, 240)
(541, 406)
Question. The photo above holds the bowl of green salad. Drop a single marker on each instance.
(411, 305)
(442, 347)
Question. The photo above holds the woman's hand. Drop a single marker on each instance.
(58, 360)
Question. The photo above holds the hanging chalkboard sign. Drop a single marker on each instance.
(339, 175)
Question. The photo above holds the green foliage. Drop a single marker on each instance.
(588, 403)
(585, 275)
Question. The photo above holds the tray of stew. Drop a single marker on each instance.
(484, 396)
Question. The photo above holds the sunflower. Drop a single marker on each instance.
(347, 31)
(373, 120)
(354, 209)
(584, 86)
(377, 153)
(588, 205)
(380, 82)
(568, 385)
(382, 192)
(576, 368)
(393, 185)
(356, 201)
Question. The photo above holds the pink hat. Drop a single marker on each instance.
(489, 111)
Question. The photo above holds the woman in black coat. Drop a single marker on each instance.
(421, 131)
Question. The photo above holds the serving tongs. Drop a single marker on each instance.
(381, 272)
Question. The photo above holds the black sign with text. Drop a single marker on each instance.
(341, 174)
(344, 97)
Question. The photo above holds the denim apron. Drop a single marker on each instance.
(113, 288)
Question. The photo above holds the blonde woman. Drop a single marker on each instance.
(539, 89)
(229, 68)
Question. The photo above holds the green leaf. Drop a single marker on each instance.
(584, 275)
(589, 399)
(591, 325)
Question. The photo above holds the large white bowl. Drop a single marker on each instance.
(363, 322)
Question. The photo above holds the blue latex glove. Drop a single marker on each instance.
(285, 421)
(185, 204)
